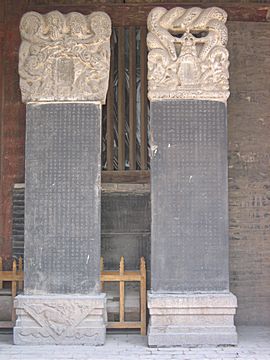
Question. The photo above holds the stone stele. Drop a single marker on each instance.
(64, 57)
(64, 64)
(189, 302)
(187, 56)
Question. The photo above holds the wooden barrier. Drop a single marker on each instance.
(125, 134)
(14, 276)
(123, 276)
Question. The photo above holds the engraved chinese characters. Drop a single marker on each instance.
(64, 57)
(189, 196)
(187, 55)
(62, 198)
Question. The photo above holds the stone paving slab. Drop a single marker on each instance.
(254, 344)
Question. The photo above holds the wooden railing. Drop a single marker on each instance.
(123, 276)
(125, 116)
(15, 277)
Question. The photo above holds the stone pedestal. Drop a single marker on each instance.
(191, 319)
(60, 319)
(64, 89)
(189, 303)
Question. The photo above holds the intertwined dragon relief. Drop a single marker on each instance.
(187, 56)
(58, 319)
(64, 57)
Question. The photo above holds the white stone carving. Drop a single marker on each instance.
(187, 56)
(60, 319)
(64, 57)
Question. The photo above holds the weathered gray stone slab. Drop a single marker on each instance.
(189, 196)
(62, 198)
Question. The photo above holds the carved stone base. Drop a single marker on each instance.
(191, 319)
(60, 319)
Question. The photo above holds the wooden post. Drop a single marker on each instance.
(122, 291)
(1, 269)
(121, 98)
(143, 66)
(13, 289)
(101, 271)
(20, 271)
(110, 113)
(132, 98)
(143, 296)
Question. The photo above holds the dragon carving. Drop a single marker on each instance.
(187, 56)
(64, 57)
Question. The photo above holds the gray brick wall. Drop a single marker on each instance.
(249, 170)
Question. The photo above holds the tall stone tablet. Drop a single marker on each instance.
(62, 198)
(64, 69)
(189, 185)
(189, 301)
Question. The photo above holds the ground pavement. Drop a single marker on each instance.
(254, 344)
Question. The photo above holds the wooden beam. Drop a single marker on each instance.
(143, 102)
(11, 276)
(110, 112)
(130, 177)
(6, 324)
(124, 325)
(143, 295)
(122, 291)
(121, 98)
(136, 14)
(132, 98)
(112, 277)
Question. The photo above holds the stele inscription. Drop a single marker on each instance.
(187, 56)
(64, 57)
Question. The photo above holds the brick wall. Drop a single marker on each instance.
(249, 170)
(12, 118)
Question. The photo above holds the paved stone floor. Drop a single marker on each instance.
(254, 344)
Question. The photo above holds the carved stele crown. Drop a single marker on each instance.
(187, 56)
(64, 57)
